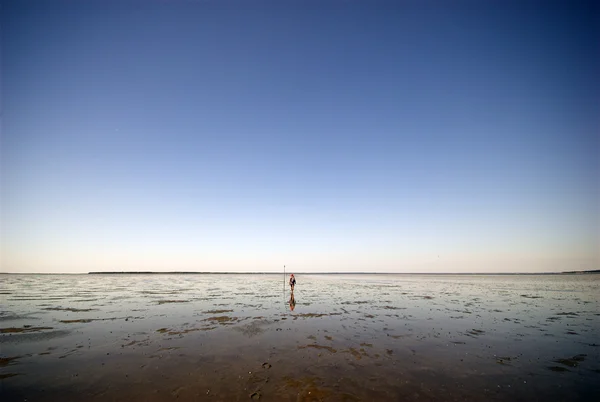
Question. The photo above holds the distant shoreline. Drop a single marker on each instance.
(339, 273)
(596, 271)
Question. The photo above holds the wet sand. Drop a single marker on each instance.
(349, 338)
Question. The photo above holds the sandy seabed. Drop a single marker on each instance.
(348, 338)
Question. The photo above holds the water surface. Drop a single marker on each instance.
(349, 337)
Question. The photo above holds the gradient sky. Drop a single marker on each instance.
(408, 136)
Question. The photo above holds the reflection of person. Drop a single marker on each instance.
(292, 302)
(292, 282)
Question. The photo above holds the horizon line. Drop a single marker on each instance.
(597, 271)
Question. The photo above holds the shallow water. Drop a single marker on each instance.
(349, 337)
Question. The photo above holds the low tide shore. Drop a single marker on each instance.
(347, 338)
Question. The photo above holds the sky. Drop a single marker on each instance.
(329, 136)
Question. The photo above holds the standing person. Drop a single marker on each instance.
(292, 282)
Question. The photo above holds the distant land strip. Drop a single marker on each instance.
(597, 271)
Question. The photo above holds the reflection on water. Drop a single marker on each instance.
(336, 337)
(292, 301)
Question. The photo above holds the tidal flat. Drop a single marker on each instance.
(348, 338)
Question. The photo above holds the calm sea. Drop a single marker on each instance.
(342, 337)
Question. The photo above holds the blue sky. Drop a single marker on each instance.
(327, 136)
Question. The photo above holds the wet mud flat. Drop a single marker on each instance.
(348, 338)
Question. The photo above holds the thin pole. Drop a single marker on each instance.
(284, 279)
